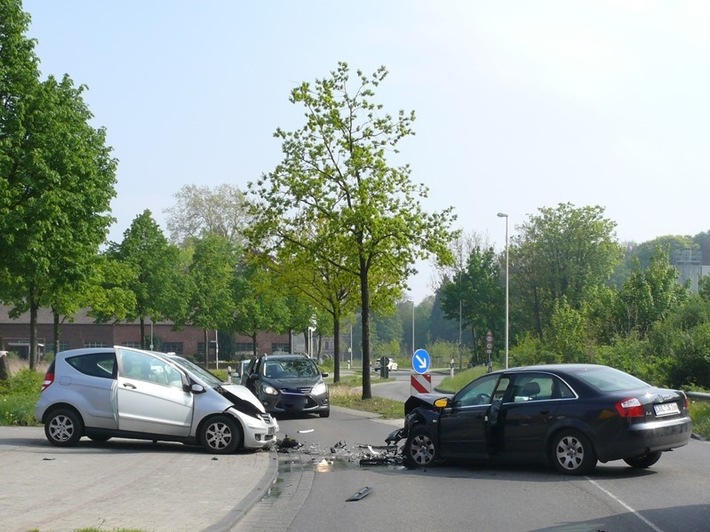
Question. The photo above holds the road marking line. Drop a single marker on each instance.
(622, 503)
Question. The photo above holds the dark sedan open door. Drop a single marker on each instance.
(465, 426)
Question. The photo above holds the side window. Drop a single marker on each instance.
(478, 392)
(142, 367)
(97, 365)
(539, 387)
(563, 391)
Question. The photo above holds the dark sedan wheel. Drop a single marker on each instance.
(643, 461)
(419, 449)
(221, 435)
(63, 427)
(325, 413)
(572, 453)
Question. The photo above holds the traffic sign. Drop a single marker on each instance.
(420, 383)
(421, 361)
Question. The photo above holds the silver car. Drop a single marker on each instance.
(130, 393)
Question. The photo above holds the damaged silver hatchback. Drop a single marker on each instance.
(130, 393)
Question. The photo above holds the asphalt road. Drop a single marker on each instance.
(316, 482)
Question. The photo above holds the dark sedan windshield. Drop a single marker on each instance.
(290, 368)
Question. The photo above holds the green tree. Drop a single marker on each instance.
(146, 251)
(335, 176)
(476, 297)
(211, 273)
(559, 252)
(650, 295)
(261, 304)
(56, 179)
(201, 210)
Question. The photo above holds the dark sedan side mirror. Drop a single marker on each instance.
(443, 402)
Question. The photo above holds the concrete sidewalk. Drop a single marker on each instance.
(125, 484)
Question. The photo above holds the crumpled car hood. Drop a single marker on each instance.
(244, 394)
(425, 400)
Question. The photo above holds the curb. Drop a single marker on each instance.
(230, 520)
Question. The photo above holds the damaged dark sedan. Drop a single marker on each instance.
(568, 415)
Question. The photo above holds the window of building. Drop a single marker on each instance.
(96, 344)
(173, 347)
(277, 347)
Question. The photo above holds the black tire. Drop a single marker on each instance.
(643, 461)
(325, 413)
(63, 427)
(572, 453)
(419, 449)
(221, 435)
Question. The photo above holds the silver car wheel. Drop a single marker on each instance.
(63, 428)
(420, 448)
(570, 453)
(221, 435)
(573, 453)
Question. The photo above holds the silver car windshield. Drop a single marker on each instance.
(202, 373)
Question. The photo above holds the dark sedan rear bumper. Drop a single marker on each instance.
(644, 438)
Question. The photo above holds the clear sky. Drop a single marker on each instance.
(520, 104)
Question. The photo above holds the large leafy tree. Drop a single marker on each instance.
(153, 261)
(201, 210)
(57, 178)
(211, 273)
(650, 294)
(475, 295)
(335, 177)
(562, 251)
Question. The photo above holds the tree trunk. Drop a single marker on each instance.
(142, 323)
(33, 333)
(55, 338)
(207, 349)
(4, 366)
(365, 295)
(336, 348)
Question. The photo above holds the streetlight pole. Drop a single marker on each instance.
(413, 347)
(503, 215)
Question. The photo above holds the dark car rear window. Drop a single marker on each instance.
(606, 379)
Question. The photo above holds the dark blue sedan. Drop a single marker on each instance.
(567, 415)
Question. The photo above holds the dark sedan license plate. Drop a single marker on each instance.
(666, 409)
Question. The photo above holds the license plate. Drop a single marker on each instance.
(272, 431)
(666, 409)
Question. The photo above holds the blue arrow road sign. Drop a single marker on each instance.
(421, 361)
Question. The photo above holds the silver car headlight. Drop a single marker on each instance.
(320, 388)
(270, 390)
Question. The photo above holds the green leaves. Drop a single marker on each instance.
(337, 208)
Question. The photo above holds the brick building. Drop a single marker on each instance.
(82, 331)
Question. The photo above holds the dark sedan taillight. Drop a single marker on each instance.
(630, 407)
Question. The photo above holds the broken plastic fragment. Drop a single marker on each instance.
(364, 492)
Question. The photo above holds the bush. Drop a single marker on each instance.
(18, 396)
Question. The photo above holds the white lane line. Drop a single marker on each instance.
(622, 503)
